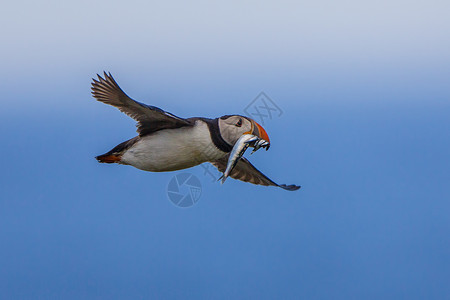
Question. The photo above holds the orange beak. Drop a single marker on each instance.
(259, 131)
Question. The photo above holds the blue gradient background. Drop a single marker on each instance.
(365, 92)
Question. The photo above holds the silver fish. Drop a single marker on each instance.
(236, 153)
(260, 143)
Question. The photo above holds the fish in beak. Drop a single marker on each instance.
(263, 138)
(257, 138)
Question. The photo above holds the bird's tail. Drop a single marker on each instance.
(108, 158)
(115, 155)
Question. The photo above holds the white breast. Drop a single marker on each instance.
(173, 149)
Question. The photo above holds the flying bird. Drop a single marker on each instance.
(166, 142)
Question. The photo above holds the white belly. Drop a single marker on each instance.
(173, 149)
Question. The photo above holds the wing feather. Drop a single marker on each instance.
(149, 118)
(246, 172)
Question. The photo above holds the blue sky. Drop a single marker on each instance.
(365, 99)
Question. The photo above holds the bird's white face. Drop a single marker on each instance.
(233, 127)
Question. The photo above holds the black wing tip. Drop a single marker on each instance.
(291, 187)
(106, 75)
(101, 85)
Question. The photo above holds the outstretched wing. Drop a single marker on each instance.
(149, 118)
(245, 171)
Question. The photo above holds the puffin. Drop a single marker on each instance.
(166, 142)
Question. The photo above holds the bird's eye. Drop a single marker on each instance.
(239, 123)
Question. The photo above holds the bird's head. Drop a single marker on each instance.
(233, 127)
